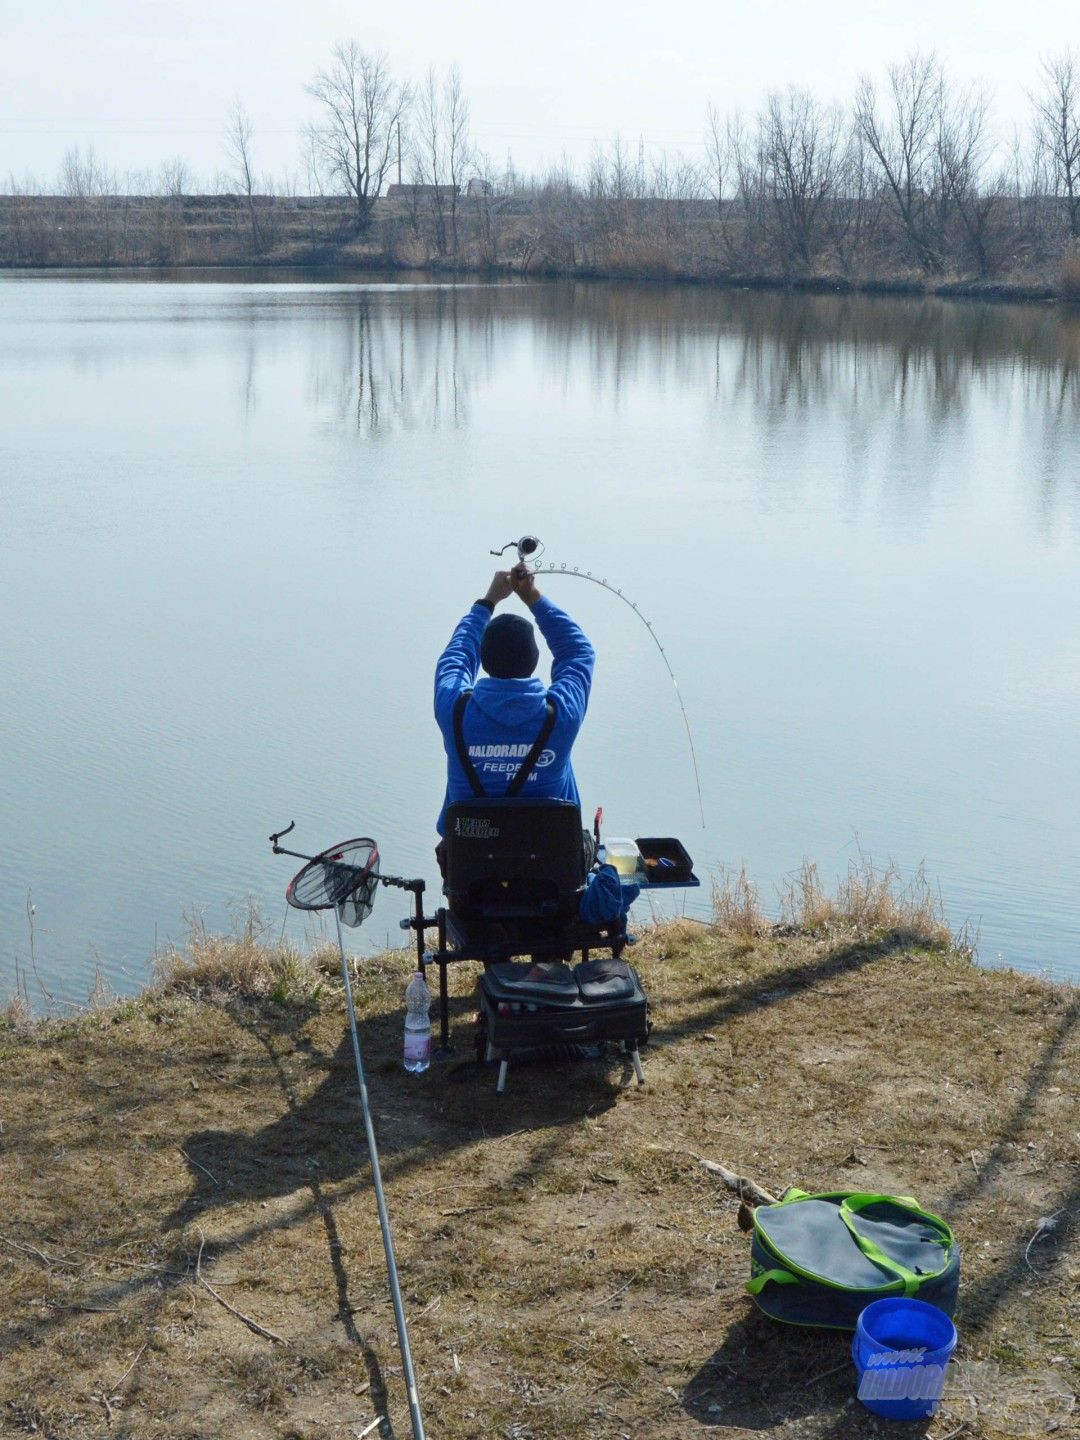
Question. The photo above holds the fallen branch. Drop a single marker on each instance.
(954, 1433)
(248, 1321)
(748, 1191)
(38, 1254)
(844, 1365)
(606, 1300)
(83, 1309)
(203, 1168)
(116, 1385)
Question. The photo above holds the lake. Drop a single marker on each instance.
(241, 516)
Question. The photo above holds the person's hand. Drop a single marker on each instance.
(523, 582)
(500, 587)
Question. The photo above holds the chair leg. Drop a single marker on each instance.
(489, 1053)
(500, 1084)
(444, 1010)
(635, 1060)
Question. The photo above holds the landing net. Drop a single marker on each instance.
(343, 878)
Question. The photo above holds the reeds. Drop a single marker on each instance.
(243, 962)
(1070, 272)
(736, 907)
(867, 900)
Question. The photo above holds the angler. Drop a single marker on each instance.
(507, 733)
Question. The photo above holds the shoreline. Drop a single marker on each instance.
(567, 1263)
(985, 291)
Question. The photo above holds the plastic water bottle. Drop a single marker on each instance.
(417, 1024)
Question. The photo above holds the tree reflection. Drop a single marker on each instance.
(389, 358)
(403, 359)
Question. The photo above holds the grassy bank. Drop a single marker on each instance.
(172, 1164)
(540, 233)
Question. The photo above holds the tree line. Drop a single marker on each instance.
(909, 181)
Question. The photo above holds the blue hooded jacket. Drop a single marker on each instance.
(504, 717)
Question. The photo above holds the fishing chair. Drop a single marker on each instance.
(514, 875)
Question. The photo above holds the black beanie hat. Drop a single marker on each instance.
(508, 650)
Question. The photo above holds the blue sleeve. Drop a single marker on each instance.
(459, 662)
(572, 660)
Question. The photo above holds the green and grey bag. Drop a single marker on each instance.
(820, 1259)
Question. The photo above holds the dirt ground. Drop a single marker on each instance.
(569, 1269)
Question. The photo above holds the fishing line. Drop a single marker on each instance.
(529, 548)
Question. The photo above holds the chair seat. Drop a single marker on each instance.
(547, 980)
(520, 1012)
(551, 984)
(605, 979)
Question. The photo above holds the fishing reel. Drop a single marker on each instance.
(528, 548)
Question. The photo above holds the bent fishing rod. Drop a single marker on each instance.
(344, 879)
(529, 549)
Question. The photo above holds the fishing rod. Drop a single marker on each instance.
(529, 549)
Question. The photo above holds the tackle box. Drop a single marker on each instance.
(666, 862)
(549, 1003)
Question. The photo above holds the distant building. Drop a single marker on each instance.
(477, 186)
(421, 192)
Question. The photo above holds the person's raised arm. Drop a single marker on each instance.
(572, 657)
(458, 664)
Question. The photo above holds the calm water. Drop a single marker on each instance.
(239, 521)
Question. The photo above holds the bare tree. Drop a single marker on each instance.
(904, 144)
(677, 187)
(361, 106)
(238, 135)
(312, 162)
(1057, 124)
(802, 144)
(79, 173)
(1029, 185)
(90, 181)
(174, 178)
(855, 219)
(441, 151)
(964, 151)
(747, 167)
(718, 175)
(486, 196)
(461, 152)
(716, 159)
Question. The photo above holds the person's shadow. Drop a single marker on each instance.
(319, 1141)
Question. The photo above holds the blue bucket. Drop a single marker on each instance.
(901, 1351)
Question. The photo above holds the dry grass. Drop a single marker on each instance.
(628, 254)
(568, 1269)
(736, 907)
(243, 963)
(868, 900)
(1070, 272)
(16, 1013)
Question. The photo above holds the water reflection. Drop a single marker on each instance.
(385, 361)
(407, 367)
(279, 495)
(412, 357)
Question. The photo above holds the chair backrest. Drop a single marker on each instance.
(514, 857)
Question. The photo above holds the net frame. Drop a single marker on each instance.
(342, 877)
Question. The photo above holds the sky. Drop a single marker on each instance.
(145, 80)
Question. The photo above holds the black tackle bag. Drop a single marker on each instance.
(820, 1259)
